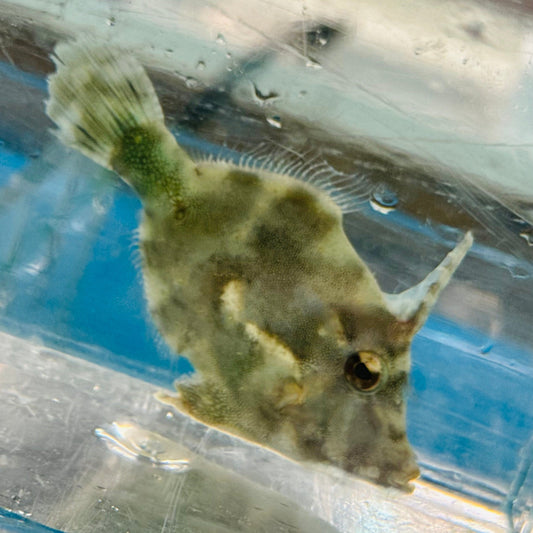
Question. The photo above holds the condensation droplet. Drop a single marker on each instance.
(527, 235)
(519, 272)
(191, 82)
(262, 97)
(220, 39)
(485, 349)
(383, 200)
(274, 121)
(111, 21)
(311, 63)
(200, 65)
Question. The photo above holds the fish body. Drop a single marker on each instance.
(248, 273)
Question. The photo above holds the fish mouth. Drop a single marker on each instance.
(402, 480)
(390, 478)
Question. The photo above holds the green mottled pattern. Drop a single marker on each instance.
(249, 274)
(305, 287)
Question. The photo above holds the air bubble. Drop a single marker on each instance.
(200, 65)
(274, 121)
(383, 200)
(220, 40)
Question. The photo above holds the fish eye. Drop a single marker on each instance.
(364, 371)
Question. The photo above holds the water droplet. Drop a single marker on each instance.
(169, 415)
(131, 441)
(527, 235)
(383, 200)
(418, 50)
(191, 82)
(111, 21)
(486, 348)
(301, 94)
(35, 154)
(274, 121)
(220, 40)
(264, 97)
(200, 65)
(519, 272)
(311, 63)
(228, 55)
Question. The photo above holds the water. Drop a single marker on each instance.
(426, 167)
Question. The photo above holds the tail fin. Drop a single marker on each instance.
(96, 95)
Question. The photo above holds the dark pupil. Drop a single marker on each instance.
(361, 371)
(358, 374)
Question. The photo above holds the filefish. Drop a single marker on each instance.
(249, 274)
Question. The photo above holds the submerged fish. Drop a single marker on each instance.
(249, 274)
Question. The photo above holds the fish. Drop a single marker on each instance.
(248, 273)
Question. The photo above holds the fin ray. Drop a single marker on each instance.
(96, 94)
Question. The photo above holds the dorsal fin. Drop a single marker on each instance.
(348, 191)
